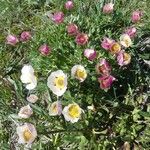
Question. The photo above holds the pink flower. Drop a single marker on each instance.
(58, 17)
(25, 36)
(44, 49)
(12, 40)
(72, 29)
(106, 81)
(136, 16)
(103, 67)
(106, 43)
(108, 8)
(90, 54)
(123, 58)
(69, 5)
(131, 31)
(81, 39)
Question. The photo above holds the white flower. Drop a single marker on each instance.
(28, 77)
(32, 98)
(79, 72)
(55, 108)
(25, 112)
(72, 112)
(27, 133)
(125, 40)
(57, 82)
(27, 69)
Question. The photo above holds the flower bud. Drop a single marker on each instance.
(108, 8)
(44, 49)
(25, 36)
(72, 29)
(69, 5)
(12, 40)
(90, 54)
(58, 17)
(136, 16)
(81, 39)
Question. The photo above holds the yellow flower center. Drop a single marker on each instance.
(59, 82)
(127, 42)
(74, 111)
(27, 135)
(80, 73)
(126, 57)
(54, 108)
(115, 48)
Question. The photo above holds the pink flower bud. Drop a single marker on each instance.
(32, 98)
(69, 5)
(25, 36)
(58, 17)
(12, 40)
(131, 31)
(123, 58)
(108, 8)
(90, 54)
(107, 43)
(81, 39)
(72, 29)
(106, 81)
(136, 16)
(44, 49)
(103, 67)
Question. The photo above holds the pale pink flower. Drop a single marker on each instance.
(72, 29)
(26, 133)
(136, 16)
(131, 31)
(81, 39)
(106, 43)
(25, 36)
(45, 49)
(69, 5)
(55, 108)
(58, 17)
(103, 67)
(25, 112)
(123, 58)
(32, 98)
(12, 40)
(90, 54)
(106, 81)
(108, 8)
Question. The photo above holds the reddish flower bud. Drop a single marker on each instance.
(12, 40)
(44, 49)
(81, 39)
(58, 17)
(25, 36)
(72, 29)
(106, 81)
(69, 5)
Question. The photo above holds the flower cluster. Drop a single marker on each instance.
(57, 81)
(13, 39)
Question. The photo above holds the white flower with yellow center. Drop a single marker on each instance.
(72, 112)
(27, 133)
(25, 112)
(57, 82)
(28, 77)
(125, 40)
(79, 72)
(55, 108)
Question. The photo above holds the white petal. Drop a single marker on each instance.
(27, 69)
(32, 84)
